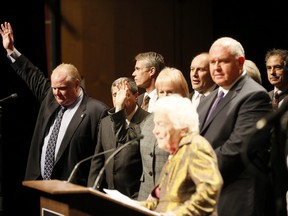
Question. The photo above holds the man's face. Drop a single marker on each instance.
(276, 73)
(225, 68)
(200, 77)
(65, 92)
(142, 74)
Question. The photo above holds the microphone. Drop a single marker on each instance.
(263, 122)
(12, 96)
(84, 160)
(138, 137)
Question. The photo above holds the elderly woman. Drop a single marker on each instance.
(190, 182)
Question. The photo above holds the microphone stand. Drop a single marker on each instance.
(86, 159)
(111, 156)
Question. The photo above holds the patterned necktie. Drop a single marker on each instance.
(275, 100)
(145, 103)
(219, 97)
(50, 151)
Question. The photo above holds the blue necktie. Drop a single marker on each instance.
(50, 151)
(219, 97)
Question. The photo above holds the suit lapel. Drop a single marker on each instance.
(48, 118)
(223, 103)
(76, 120)
(204, 107)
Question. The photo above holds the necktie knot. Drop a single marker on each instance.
(61, 111)
(202, 96)
(145, 103)
(275, 100)
(276, 95)
(220, 94)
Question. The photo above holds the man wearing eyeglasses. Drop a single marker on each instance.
(147, 67)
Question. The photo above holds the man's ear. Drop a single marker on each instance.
(152, 71)
(241, 60)
(77, 83)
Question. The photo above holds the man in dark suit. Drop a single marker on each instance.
(79, 126)
(200, 77)
(277, 72)
(246, 184)
(124, 170)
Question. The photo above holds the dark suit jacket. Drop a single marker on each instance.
(124, 170)
(81, 135)
(228, 129)
(279, 167)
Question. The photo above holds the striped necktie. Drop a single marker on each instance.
(145, 103)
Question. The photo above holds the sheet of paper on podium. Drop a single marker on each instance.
(115, 194)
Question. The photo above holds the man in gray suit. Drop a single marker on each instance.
(230, 125)
(124, 170)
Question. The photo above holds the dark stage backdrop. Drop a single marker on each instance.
(252, 25)
(18, 116)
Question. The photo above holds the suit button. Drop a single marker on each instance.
(150, 173)
(151, 154)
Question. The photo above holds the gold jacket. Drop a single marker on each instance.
(190, 182)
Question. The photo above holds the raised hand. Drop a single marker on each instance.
(122, 95)
(7, 37)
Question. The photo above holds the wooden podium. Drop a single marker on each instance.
(59, 198)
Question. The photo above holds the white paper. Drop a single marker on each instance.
(115, 194)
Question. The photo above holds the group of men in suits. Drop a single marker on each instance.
(247, 186)
(243, 103)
